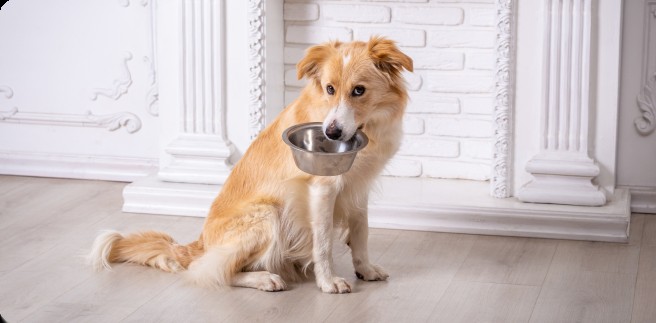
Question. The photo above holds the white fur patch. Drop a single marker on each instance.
(261, 280)
(98, 258)
(211, 269)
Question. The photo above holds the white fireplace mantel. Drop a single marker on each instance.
(194, 163)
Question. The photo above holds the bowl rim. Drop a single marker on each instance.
(285, 138)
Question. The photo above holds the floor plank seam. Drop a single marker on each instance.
(54, 298)
(544, 280)
(453, 278)
(154, 296)
(635, 282)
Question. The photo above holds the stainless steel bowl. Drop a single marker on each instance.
(315, 154)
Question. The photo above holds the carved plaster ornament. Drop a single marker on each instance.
(646, 123)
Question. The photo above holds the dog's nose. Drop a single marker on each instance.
(333, 131)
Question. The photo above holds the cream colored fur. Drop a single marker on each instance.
(272, 222)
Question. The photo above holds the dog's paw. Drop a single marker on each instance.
(371, 272)
(335, 286)
(271, 283)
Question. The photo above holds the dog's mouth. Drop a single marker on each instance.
(335, 132)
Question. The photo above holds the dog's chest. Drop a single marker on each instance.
(380, 150)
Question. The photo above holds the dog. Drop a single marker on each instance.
(272, 223)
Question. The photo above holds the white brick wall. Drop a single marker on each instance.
(356, 13)
(448, 125)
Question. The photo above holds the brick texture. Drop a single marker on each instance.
(317, 34)
(356, 13)
(455, 127)
(429, 147)
(403, 167)
(478, 105)
(420, 15)
(483, 60)
(404, 36)
(460, 83)
(448, 123)
(301, 11)
(462, 38)
(437, 60)
(482, 17)
(413, 125)
(432, 103)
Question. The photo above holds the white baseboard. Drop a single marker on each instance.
(643, 199)
(76, 166)
(426, 205)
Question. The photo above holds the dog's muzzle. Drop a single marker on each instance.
(333, 131)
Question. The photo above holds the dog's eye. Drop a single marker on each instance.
(330, 89)
(358, 90)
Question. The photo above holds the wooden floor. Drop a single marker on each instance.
(47, 224)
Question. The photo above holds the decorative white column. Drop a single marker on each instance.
(563, 171)
(195, 157)
(201, 151)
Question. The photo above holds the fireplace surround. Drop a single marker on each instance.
(554, 75)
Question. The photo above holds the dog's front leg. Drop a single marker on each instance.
(322, 205)
(358, 241)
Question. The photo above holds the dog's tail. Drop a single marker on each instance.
(149, 248)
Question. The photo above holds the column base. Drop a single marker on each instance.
(562, 178)
(562, 190)
(154, 196)
(198, 159)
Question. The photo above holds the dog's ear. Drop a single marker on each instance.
(310, 65)
(387, 57)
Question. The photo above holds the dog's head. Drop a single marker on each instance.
(359, 81)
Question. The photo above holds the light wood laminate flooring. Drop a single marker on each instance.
(47, 225)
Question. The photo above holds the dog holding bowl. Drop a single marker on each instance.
(306, 175)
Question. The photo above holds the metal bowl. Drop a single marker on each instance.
(315, 154)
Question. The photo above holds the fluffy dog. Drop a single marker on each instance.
(272, 222)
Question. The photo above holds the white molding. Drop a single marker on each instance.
(426, 205)
(152, 96)
(111, 122)
(645, 124)
(563, 171)
(120, 85)
(501, 179)
(8, 93)
(108, 168)
(463, 207)
(643, 199)
(257, 66)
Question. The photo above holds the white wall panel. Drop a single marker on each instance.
(637, 110)
(78, 81)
